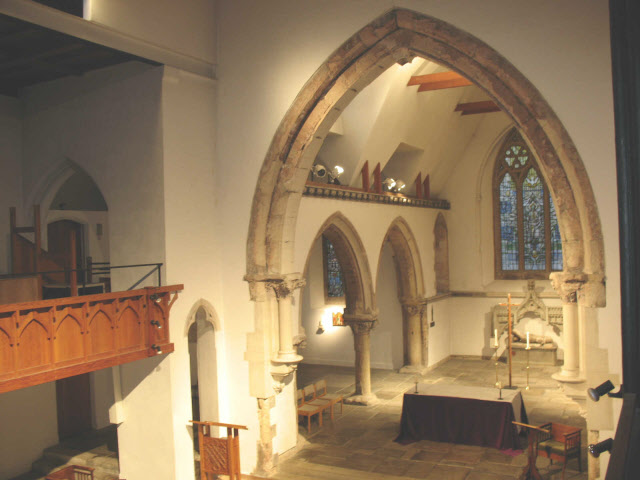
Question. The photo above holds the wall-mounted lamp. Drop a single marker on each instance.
(320, 329)
(595, 449)
(604, 389)
(157, 348)
(156, 324)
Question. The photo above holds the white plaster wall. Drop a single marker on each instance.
(186, 27)
(440, 333)
(102, 397)
(387, 346)
(29, 424)
(10, 166)
(108, 122)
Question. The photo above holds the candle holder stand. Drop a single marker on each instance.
(495, 348)
(528, 349)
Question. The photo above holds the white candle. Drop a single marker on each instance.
(527, 339)
(495, 337)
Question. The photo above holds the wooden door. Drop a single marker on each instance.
(74, 405)
(59, 242)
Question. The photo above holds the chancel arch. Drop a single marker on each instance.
(410, 283)
(397, 36)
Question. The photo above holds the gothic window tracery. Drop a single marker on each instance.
(526, 230)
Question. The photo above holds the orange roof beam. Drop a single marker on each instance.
(438, 81)
(471, 108)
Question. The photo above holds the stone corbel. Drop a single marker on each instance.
(360, 323)
(281, 372)
(567, 285)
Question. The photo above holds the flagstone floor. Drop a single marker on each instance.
(359, 443)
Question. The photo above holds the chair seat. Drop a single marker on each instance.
(554, 447)
(308, 409)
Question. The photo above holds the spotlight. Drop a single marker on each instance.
(600, 390)
(157, 348)
(399, 185)
(320, 329)
(389, 183)
(319, 170)
(595, 449)
(156, 324)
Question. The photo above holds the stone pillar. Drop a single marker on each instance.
(567, 287)
(413, 312)
(284, 288)
(361, 326)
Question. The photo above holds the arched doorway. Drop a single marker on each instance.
(203, 366)
(410, 290)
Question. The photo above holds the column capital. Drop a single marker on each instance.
(414, 306)
(567, 285)
(361, 323)
(282, 284)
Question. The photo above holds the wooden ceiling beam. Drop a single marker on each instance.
(438, 81)
(472, 108)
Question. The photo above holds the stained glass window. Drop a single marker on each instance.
(528, 243)
(334, 285)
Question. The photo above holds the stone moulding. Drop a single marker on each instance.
(338, 193)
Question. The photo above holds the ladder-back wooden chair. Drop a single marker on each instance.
(219, 456)
(72, 472)
(562, 443)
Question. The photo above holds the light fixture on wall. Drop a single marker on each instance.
(389, 183)
(156, 324)
(335, 174)
(320, 329)
(605, 388)
(595, 449)
(318, 171)
(157, 348)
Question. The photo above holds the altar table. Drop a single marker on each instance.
(463, 415)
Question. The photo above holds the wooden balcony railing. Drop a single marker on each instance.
(51, 339)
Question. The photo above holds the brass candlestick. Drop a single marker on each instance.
(495, 347)
(528, 349)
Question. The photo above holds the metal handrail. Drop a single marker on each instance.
(156, 267)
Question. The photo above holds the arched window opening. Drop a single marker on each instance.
(527, 235)
(333, 278)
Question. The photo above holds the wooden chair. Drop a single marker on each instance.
(321, 393)
(308, 411)
(310, 398)
(72, 472)
(562, 443)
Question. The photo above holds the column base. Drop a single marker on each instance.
(415, 369)
(566, 377)
(369, 399)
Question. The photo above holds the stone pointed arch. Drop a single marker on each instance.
(406, 258)
(359, 291)
(211, 315)
(441, 254)
(401, 34)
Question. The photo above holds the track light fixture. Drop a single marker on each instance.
(319, 171)
(389, 183)
(157, 348)
(595, 449)
(156, 324)
(604, 389)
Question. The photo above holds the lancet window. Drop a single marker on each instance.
(527, 234)
(333, 279)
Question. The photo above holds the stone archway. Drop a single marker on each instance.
(360, 312)
(398, 35)
(411, 294)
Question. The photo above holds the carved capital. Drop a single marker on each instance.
(282, 374)
(567, 285)
(414, 306)
(362, 323)
(282, 285)
(593, 292)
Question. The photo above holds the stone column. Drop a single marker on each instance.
(413, 310)
(567, 286)
(361, 326)
(284, 289)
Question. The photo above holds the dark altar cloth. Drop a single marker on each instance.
(470, 421)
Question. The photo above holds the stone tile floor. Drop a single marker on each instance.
(359, 443)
